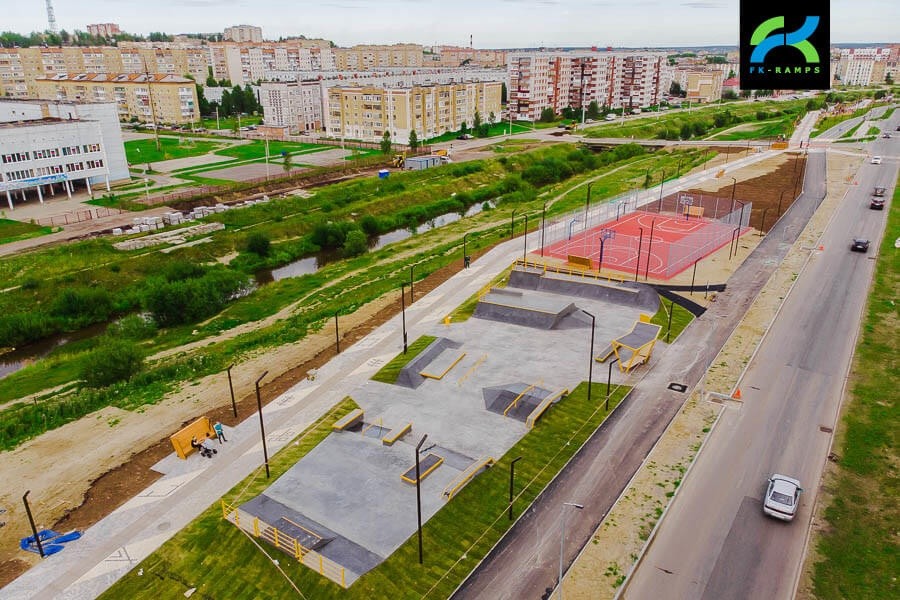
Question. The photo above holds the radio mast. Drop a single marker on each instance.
(51, 18)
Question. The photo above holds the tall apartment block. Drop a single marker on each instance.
(866, 66)
(365, 113)
(106, 30)
(295, 105)
(164, 99)
(243, 33)
(538, 80)
(250, 62)
(700, 86)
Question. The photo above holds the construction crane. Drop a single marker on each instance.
(51, 17)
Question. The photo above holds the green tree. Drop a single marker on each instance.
(675, 89)
(226, 107)
(547, 115)
(386, 143)
(238, 99)
(413, 140)
(476, 121)
(287, 162)
(464, 128)
(686, 130)
(210, 80)
(115, 360)
(889, 79)
(202, 102)
(259, 244)
(355, 243)
(492, 118)
(593, 111)
(251, 104)
(503, 92)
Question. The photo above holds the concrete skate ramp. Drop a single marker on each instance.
(329, 544)
(516, 400)
(410, 374)
(519, 307)
(628, 293)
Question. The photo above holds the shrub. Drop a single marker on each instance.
(259, 244)
(369, 225)
(356, 243)
(187, 301)
(20, 328)
(82, 305)
(114, 360)
(181, 270)
(134, 327)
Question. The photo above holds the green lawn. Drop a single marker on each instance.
(467, 308)
(495, 130)
(827, 122)
(681, 318)
(230, 122)
(857, 545)
(391, 371)
(13, 231)
(221, 562)
(257, 149)
(759, 130)
(140, 152)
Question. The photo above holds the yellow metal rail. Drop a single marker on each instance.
(463, 478)
(542, 407)
(519, 397)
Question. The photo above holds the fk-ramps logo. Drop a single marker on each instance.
(785, 48)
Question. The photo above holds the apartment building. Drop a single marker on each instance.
(58, 146)
(557, 80)
(365, 113)
(106, 30)
(455, 56)
(245, 63)
(243, 33)
(365, 57)
(865, 66)
(162, 99)
(296, 105)
(700, 86)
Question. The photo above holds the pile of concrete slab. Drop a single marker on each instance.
(178, 236)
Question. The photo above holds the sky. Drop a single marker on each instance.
(492, 23)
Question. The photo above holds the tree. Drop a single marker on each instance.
(463, 128)
(675, 89)
(492, 118)
(287, 161)
(251, 105)
(476, 122)
(259, 244)
(386, 143)
(593, 111)
(112, 361)
(355, 243)
(889, 79)
(238, 99)
(226, 107)
(413, 140)
(202, 102)
(503, 92)
(547, 115)
(210, 80)
(731, 75)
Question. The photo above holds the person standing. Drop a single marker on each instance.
(220, 432)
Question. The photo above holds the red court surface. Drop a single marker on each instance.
(676, 244)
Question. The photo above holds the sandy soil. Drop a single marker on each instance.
(617, 543)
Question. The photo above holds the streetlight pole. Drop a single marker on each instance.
(262, 428)
(403, 312)
(231, 389)
(512, 476)
(419, 496)
(465, 254)
(543, 222)
(34, 530)
(661, 183)
(512, 223)
(590, 356)
(733, 186)
(525, 241)
(609, 381)
(637, 267)
(649, 249)
(562, 541)
(337, 333)
(587, 204)
(411, 290)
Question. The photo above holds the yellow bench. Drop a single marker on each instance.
(395, 434)
(200, 429)
(349, 420)
(580, 261)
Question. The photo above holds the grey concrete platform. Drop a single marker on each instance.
(524, 307)
(628, 293)
(410, 375)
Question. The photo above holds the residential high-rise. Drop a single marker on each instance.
(865, 66)
(105, 30)
(243, 33)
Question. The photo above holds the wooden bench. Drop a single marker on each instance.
(349, 420)
(395, 434)
(200, 429)
(579, 261)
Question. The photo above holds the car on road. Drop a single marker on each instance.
(464, 136)
(886, 136)
(876, 160)
(877, 204)
(782, 497)
(879, 192)
(859, 245)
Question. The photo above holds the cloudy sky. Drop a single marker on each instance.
(492, 23)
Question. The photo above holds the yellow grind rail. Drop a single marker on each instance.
(377, 422)
(542, 407)
(463, 478)
(549, 267)
(471, 370)
(515, 401)
(426, 472)
(395, 434)
(305, 556)
(447, 370)
(348, 420)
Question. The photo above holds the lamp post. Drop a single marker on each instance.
(780, 198)
(733, 186)
(609, 381)
(419, 496)
(337, 333)
(512, 223)
(403, 312)
(231, 389)
(543, 222)
(34, 530)
(605, 234)
(562, 541)
(147, 188)
(262, 428)
(661, 183)
(512, 476)
(637, 267)
(590, 356)
(649, 249)
(525, 241)
(411, 289)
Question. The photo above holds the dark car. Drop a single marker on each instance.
(464, 136)
(877, 204)
(878, 192)
(859, 245)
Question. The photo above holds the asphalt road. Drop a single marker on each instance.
(526, 561)
(715, 543)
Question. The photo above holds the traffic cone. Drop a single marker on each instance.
(737, 394)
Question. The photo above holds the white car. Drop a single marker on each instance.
(876, 160)
(782, 497)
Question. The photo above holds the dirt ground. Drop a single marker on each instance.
(83, 471)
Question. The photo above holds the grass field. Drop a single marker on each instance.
(681, 318)
(828, 122)
(230, 122)
(257, 149)
(140, 152)
(13, 231)
(222, 562)
(391, 371)
(857, 547)
(758, 130)
(495, 130)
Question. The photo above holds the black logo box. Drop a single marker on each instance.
(785, 67)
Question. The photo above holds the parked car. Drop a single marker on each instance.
(876, 160)
(859, 245)
(886, 136)
(782, 497)
(465, 136)
(877, 204)
(879, 192)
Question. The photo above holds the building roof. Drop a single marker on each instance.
(731, 82)
(37, 122)
(118, 78)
